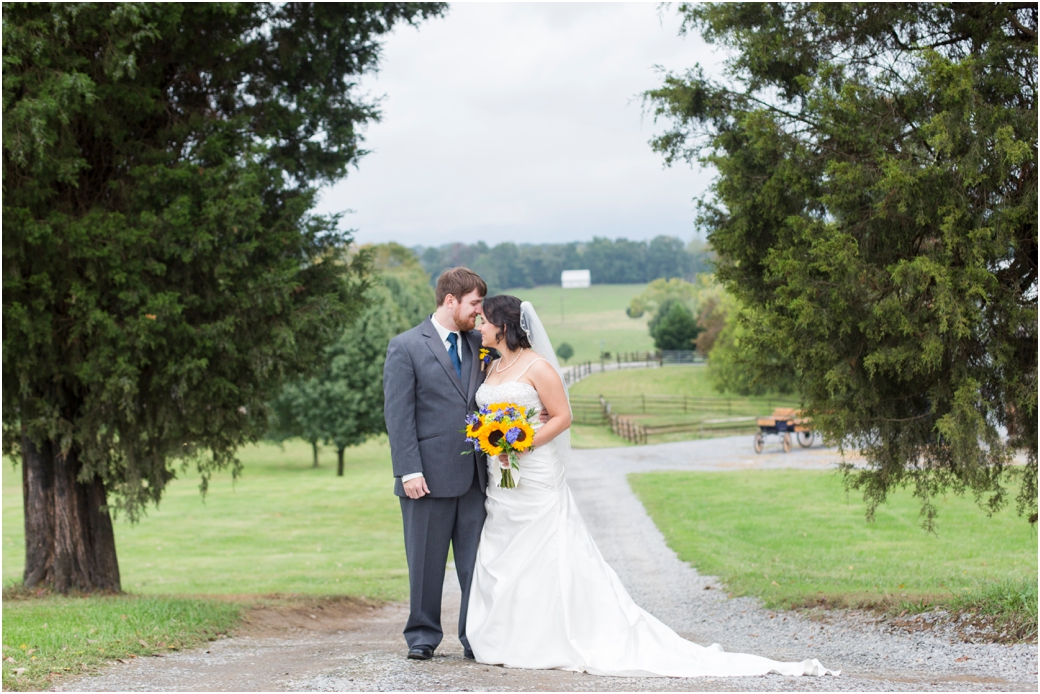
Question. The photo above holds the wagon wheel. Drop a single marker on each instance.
(805, 438)
(758, 442)
(787, 442)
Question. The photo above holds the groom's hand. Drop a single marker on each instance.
(416, 488)
(544, 416)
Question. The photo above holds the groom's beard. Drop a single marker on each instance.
(464, 324)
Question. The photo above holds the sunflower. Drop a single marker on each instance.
(490, 435)
(472, 431)
(525, 438)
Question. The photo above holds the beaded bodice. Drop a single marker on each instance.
(523, 394)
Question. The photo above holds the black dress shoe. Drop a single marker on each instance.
(420, 653)
(468, 655)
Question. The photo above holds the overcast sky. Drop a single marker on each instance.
(523, 122)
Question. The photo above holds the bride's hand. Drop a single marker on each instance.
(503, 458)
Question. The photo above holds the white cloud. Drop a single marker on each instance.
(522, 120)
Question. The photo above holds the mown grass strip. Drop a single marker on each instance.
(45, 638)
(282, 527)
(793, 539)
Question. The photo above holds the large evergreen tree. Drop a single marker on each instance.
(162, 274)
(875, 211)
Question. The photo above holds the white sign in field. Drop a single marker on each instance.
(573, 279)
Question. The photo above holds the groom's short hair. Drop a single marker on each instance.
(459, 281)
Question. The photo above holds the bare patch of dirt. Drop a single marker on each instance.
(281, 616)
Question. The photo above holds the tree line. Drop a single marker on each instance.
(618, 261)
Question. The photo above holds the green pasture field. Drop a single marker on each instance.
(668, 380)
(591, 317)
(793, 539)
(592, 436)
(690, 380)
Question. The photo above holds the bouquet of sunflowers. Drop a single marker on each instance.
(502, 427)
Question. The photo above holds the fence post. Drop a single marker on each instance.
(644, 403)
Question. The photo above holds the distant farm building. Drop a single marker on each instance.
(575, 279)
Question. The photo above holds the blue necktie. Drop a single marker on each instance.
(453, 352)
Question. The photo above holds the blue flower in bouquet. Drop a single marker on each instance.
(512, 435)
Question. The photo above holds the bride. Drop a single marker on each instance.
(542, 596)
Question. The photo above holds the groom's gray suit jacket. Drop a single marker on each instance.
(425, 409)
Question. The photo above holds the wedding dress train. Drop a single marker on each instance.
(543, 597)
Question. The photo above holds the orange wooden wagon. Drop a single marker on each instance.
(783, 423)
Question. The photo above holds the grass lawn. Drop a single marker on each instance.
(791, 538)
(283, 527)
(590, 318)
(44, 637)
(592, 436)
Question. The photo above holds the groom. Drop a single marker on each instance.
(430, 380)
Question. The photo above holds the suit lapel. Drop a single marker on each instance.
(473, 338)
(433, 341)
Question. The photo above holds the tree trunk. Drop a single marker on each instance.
(314, 447)
(339, 461)
(69, 541)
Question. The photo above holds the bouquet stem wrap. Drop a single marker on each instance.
(507, 481)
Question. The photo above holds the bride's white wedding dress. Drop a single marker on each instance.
(544, 598)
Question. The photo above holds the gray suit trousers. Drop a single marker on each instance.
(431, 524)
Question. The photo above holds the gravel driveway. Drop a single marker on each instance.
(363, 649)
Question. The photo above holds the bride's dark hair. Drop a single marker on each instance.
(503, 311)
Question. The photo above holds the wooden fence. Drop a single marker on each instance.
(631, 430)
(708, 415)
(676, 404)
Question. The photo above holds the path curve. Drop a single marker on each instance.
(365, 653)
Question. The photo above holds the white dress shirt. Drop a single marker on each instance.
(443, 332)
